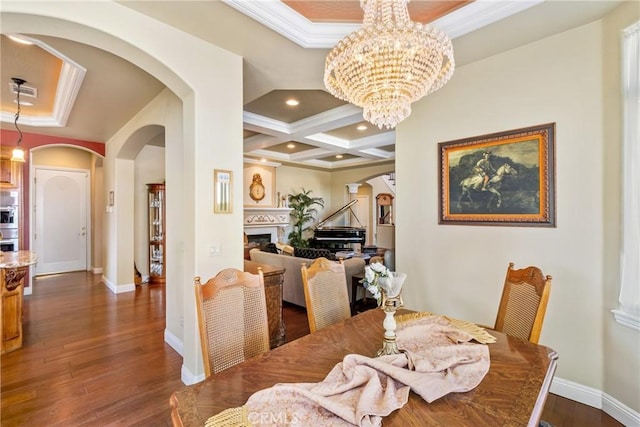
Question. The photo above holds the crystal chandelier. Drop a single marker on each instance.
(388, 63)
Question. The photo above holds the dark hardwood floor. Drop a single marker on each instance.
(94, 358)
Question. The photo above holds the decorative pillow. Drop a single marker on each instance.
(312, 253)
(270, 247)
(287, 250)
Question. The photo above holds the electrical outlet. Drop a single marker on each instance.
(214, 250)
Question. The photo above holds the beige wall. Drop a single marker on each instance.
(458, 270)
(292, 179)
(62, 157)
(97, 215)
(340, 179)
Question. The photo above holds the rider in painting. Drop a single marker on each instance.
(484, 168)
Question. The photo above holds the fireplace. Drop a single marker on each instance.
(265, 225)
(259, 238)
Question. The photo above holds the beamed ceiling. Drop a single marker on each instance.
(86, 93)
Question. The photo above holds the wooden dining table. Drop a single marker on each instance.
(512, 393)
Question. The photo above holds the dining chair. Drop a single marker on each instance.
(232, 318)
(325, 293)
(523, 303)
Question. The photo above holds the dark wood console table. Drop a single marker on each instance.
(273, 280)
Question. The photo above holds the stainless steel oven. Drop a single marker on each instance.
(9, 245)
(8, 210)
(8, 217)
(9, 241)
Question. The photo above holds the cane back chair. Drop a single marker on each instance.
(325, 293)
(523, 303)
(232, 318)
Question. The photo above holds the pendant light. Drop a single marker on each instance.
(18, 153)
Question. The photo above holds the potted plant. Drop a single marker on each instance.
(303, 211)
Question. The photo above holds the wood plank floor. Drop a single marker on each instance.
(92, 358)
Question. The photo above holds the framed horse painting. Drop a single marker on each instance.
(504, 178)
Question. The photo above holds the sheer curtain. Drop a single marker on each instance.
(629, 310)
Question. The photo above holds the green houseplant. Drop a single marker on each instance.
(303, 211)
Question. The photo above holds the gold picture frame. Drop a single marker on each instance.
(222, 191)
(504, 178)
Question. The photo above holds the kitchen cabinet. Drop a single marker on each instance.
(14, 266)
(10, 172)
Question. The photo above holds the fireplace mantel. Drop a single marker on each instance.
(259, 217)
(266, 220)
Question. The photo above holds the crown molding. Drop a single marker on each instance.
(71, 78)
(290, 24)
(295, 27)
(260, 162)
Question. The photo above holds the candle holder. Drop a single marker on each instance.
(391, 300)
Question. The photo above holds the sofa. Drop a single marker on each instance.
(292, 288)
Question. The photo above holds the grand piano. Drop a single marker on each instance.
(338, 238)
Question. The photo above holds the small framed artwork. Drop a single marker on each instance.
(258, 186)
(505, 178)
(222, 184)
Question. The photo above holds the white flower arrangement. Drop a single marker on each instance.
(372, 283)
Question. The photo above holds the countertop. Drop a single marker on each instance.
(17, 259)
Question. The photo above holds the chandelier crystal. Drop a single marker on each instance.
(388, 63)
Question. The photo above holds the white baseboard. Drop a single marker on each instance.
(189, 378)
(578, 392)
(118, 289)
(620, 411)
(596, 399)
(186, 375)
(96, 270)
(173, 341)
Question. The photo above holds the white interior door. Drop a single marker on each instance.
(60, 213)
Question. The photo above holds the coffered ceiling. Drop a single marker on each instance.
(86, 93)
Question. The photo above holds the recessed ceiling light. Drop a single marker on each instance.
(338, 156)
(19, 39)
(291, 145)
(362, 127)
(292, 102)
